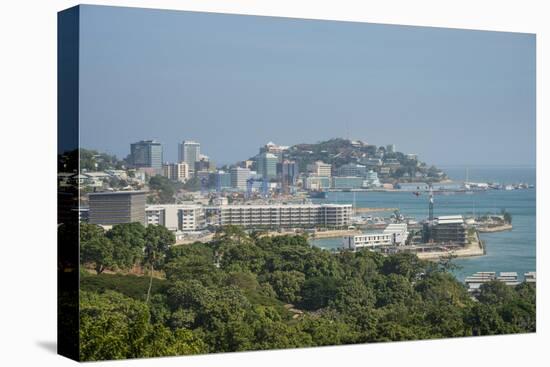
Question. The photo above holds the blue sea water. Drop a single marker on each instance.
(513, 250)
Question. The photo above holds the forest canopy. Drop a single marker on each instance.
(249, 292)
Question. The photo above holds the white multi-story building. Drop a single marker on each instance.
(176, 217)
(320, 168)
(239, 176)
(393, 235)
(176, 171)
(286, 216)
(189, 152)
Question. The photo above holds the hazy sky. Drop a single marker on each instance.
(234, 83)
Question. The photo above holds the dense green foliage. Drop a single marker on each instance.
(248, 292)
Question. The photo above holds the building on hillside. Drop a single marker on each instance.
(176, 171)
(277, 150)
(352, 169)
(116, 207)
(320, 168)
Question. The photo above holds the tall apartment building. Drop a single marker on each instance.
(176, 217)
(320, 168)
(109, 208)
(286, 216)
(189, 152)
(176, 171)
(266, 165)
(288, 172)
(239, 176)
(146, 154)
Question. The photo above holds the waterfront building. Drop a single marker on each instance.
(320, 168)
(394, 234)
(352, 169)
(347, 182)
(176, 171)
(146, 153)
(384, 171)
(266, 165)
(239, 176)
(372, 180)
(448, 229)
(176, 217)
(189, 152)
(413, 186)
(109, 208)
(316, 183)
(286, 216)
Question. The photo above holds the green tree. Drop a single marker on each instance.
(99, 251)
(318, 291)
(158, 239)
(129, 243)
(287, 284)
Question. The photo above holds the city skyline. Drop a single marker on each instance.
(469, 94)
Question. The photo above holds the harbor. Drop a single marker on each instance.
(509, 248)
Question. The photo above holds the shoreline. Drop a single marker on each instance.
(472, 249)
(501, 228)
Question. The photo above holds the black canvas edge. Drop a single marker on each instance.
(68, 24)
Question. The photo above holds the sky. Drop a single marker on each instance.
(235, 82)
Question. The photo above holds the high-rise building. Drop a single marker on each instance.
(220, 180)
(189, 152)
(239, 176)
(320, 168)
(176, 171)
(288, 172)
(390, 148)
(146, 153)
(266, 165)
(109, 208)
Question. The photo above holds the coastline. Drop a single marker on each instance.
(472, 249)
(501, 228)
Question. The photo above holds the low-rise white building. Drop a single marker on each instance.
(176, 217)
(393, 235)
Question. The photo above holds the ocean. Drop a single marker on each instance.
(513, 250)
